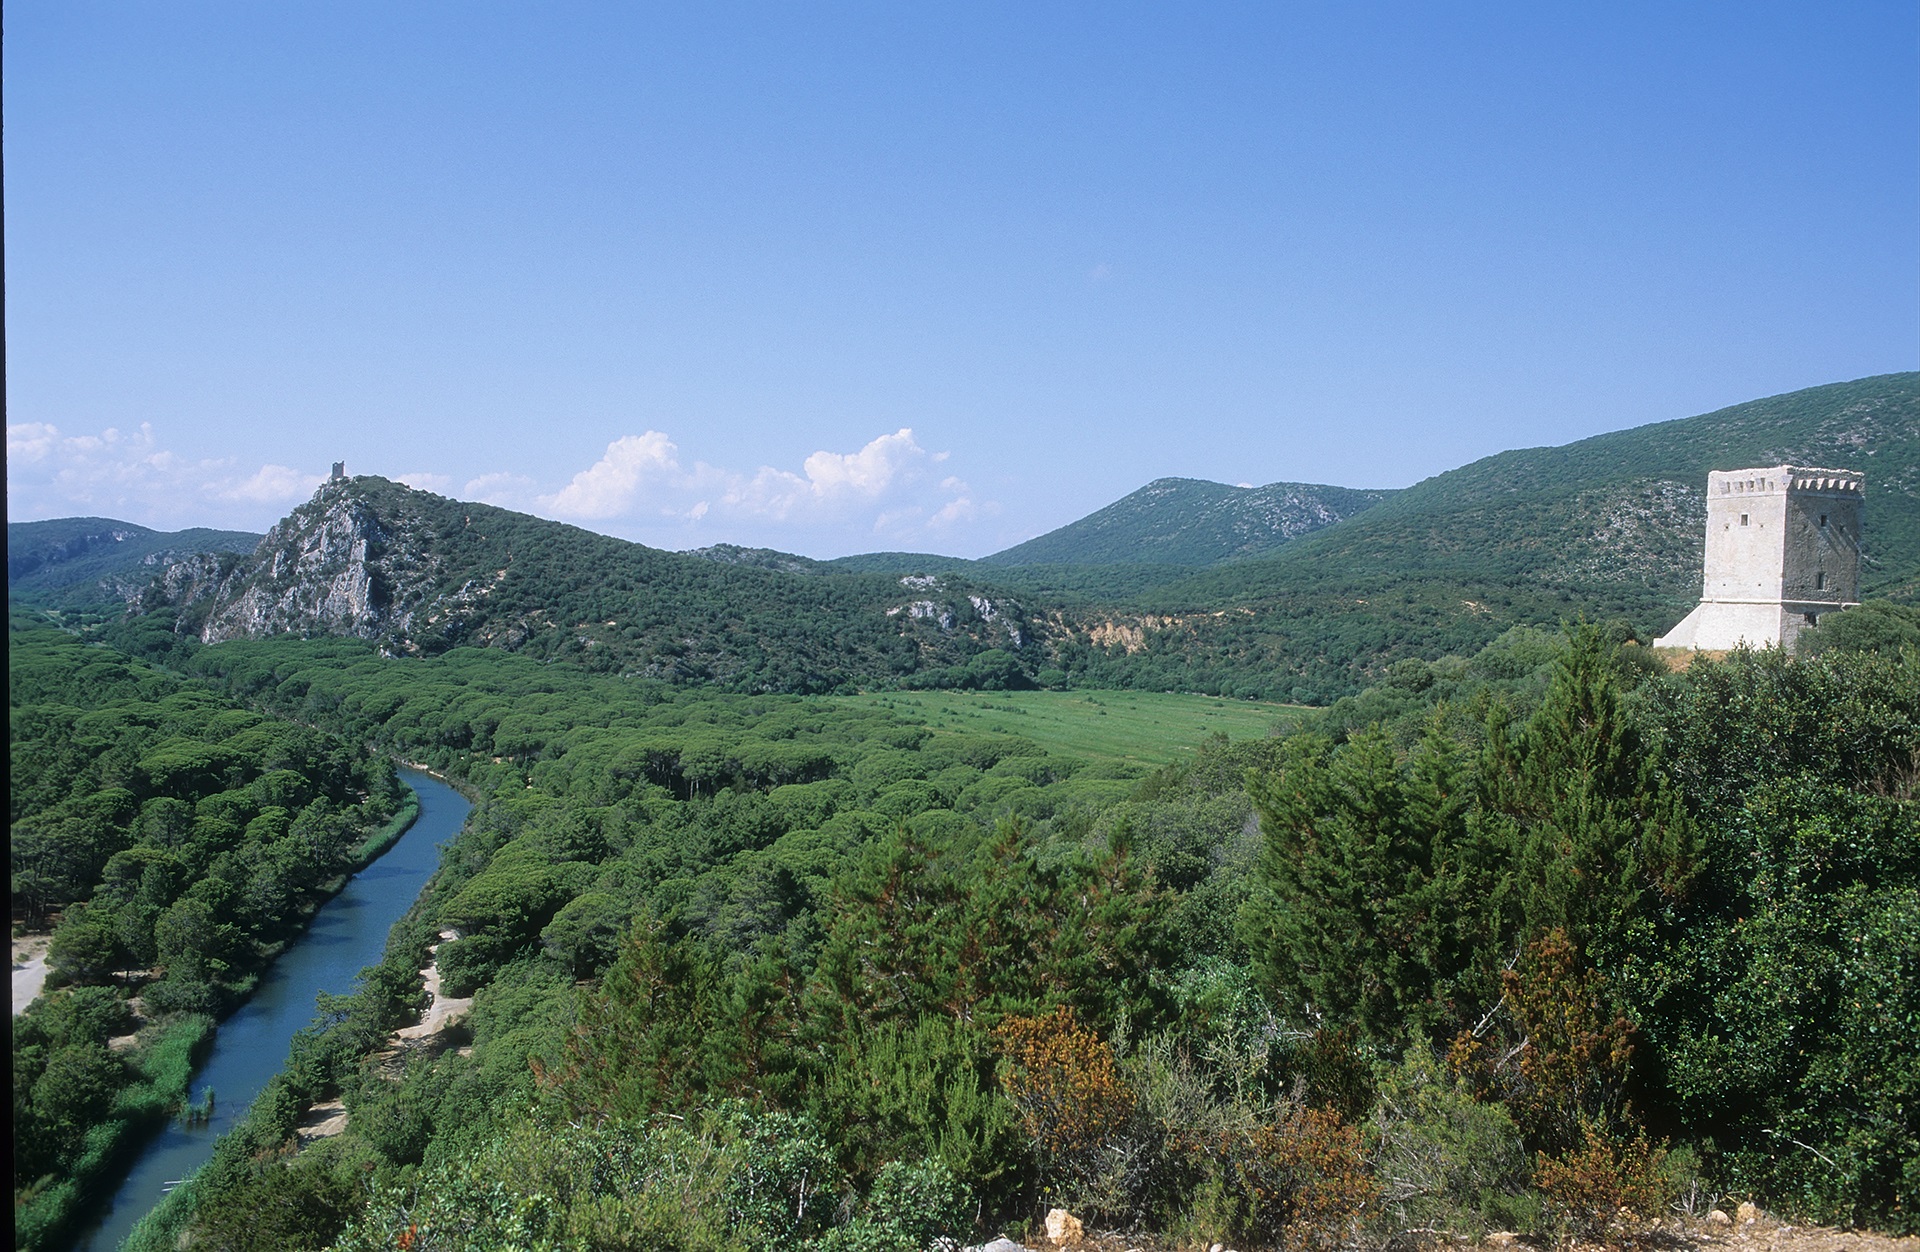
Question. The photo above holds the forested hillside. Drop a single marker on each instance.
(1619, 511)
(760, 971)
(1185, 521)
(1606, 528)
(172, 841)
(420, 573)
(91, 560)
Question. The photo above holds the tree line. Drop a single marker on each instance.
(1546, 933)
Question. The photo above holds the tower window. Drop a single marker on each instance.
(1819, 582)
(1823, 521)
(1743, 519)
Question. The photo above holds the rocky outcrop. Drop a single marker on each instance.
(332, 567)
(96, 560)
(416, 573)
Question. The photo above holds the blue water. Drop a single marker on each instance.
(348, 934)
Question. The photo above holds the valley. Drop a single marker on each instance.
(1290, 866)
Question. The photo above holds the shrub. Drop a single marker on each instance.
(1063, 1080)
(1446, 1162)
(1303, 1179)
(1588, 1186)
(910, 1206)
(785, 1185)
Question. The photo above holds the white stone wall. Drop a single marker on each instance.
(1782, 549)
(1746, 525)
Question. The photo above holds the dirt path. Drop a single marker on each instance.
(1737, 1229)
(1747, 1229)
(329, 1117)
(29, 970)
(444, 1010)
(323, 1121)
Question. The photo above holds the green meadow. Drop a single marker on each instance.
(1151, 728)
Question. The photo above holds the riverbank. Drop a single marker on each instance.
(376, 844)
(166, 1058)
(326, 1118)
(165, 1054)
(348, 933)
(442, 1010)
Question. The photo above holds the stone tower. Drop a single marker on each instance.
(1783, 550)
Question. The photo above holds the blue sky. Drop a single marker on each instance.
(837, 278)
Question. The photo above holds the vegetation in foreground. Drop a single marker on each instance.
(770, 972)
(172, 842)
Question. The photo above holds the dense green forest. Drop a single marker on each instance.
(433, 573)
(1606, 528)
(173, 841)
(1513, 929)
(1507, 942)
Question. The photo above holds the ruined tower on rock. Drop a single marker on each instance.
(1783, 550)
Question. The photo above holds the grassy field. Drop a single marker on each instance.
(1147, 727)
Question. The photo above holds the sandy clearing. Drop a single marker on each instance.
(29, 970)
(444, 1010)
(322, 1121)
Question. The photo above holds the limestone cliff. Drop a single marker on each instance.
(333, 567)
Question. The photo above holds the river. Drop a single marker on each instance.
(348, 934)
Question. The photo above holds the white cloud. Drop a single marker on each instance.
(867, 472)
(127, 474)
(888, 486)
(612, 485)
(422, 480)
(507, 491)
(641, 485)
(272, 484)
(834, 480)
(769, 493)
(30, 441)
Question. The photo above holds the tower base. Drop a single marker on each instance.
(1721, 625)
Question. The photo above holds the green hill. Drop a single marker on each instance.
(98, 559)
(1622, 510)
(1608, 527)
(420, 573)
(1187, 521)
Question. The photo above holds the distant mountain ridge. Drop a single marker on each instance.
(99, 559)
(1189, 521)
(1606, 529)
(1623, 509)
(418, 573)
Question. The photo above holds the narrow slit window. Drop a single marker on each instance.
(1743, 519)
(1819, 582)
(1823, 521)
